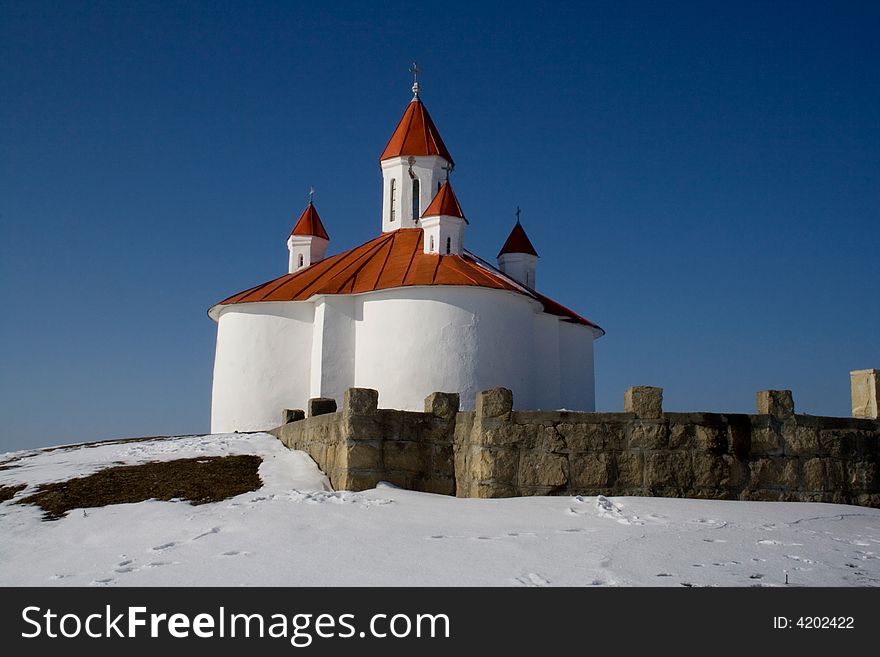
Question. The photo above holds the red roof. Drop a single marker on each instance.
(518, 242)
(394, 259)
(444, 204)
(309, 223)
(416, 134)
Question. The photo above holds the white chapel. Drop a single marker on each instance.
(410, 312)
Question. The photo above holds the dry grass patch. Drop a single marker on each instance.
(8, 492)
(197, 480)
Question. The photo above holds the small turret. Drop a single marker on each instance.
(308, 240)
(443, 223)
(518, 258)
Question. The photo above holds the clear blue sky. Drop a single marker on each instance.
(702, 180)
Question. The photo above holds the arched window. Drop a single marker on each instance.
(415, 200)
(393, 198)
(448, 245)
(299, 260)
(432, 244)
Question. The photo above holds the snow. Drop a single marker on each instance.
(296, 531)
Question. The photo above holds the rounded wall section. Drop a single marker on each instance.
(415, 341)
(262, 364)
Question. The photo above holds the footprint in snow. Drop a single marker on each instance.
(213, 530)
(102, 582)
(164, 546)
(532, 579)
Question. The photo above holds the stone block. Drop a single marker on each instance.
(865, 387)
(489, 489)
(649, 435)
(590, 471)
(437, 485)
(360, 401)
(493, 464)
(821, 474)
(668, 469)
(863, 476)
(769, 473)
(837, 443)
(442, 459)
(589, 437)
(739, 434)
(681, 436)
(778, 403)
(801, 441)
(494, 403)
(645, 401)
(442, 404)
(321, 406)
(710, 470)
(355, 481)
(405, 455)
(508, 434)
(361, 456)
(630, 470)
(542, 469)
(711, 439)
(289, 415)
(766, 440)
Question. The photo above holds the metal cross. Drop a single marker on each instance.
(414, 69)
(448, 170)
(517, 213)
(311, 194)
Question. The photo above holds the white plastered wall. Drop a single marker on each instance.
(261, 365)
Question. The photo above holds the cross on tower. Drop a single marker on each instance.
(414, 69)
(448, 169)
(311, 194)
(517, 213)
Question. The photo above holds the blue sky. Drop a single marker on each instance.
(701, 179)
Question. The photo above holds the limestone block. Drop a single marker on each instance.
(765, 473)
(801, 440)
(361, 456)
(711, 439)
(668, 469)
(739, 434)
(865, 386)
(649, 435)
(442, 404)
(778, 403)
(543, 469)
(838, 443)
(321, 406)
(766, 440)
(355, 481)
(630, 470)
(404, 455)
(589, 471)
(289, 415)
(508, 434)
(681, 435)
(496, 463)
(360, 401)
(645, 401)
(487, 489)
(494, 403)
(583, 437)
(822, 474)
(710, 471)
(549, 440)
(863, 476)
(442, 457)
(437, 485)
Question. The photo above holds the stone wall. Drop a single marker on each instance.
(494, 451)
(362, 445)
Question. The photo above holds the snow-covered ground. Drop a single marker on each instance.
(296, 531)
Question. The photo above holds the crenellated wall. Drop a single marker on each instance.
(494, 451)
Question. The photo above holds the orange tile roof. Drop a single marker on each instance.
(309, 223)
(518, 242)
(416, 134)
(395, 259)
(445, 204)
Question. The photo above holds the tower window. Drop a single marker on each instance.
(393, 198)
(299, 260)
(448, 245)
(432, 244)
(415, 200)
